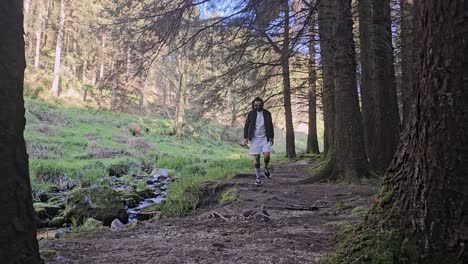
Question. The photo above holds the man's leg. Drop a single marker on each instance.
(266, 159)
(257, 167)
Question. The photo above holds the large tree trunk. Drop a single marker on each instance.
(431, 168)
(38, 35)
(368, 101)
(349, 161)
(18, 242)
(312, 142)
(326, 21)
(407, 56)
(290, 140)
(387, 119)
(422, 208)
(58, 50)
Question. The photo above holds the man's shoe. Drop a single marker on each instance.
(258, 182)
(267, 173)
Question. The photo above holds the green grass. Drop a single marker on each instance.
(230, 195)
(182, 197)
(86, 144)
(183, 194)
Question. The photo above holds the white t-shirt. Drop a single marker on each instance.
(260, 126)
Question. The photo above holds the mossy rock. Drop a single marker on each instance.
(48, 253)
(41, 213)
(57, 221)
(145, 193)
(101, 203)
(50, 210)
(131, 198)
(151, 208)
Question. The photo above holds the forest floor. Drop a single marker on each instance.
(282, 221)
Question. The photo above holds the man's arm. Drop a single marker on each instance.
(246, 128)
(272, 140)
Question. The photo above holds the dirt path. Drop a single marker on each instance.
(281, 222)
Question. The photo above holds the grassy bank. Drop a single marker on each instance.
(88, 145)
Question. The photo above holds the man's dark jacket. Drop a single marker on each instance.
(249, 128)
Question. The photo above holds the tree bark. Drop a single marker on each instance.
(387, 119)
(368, 93)
(290, 140)
(326, 21)
(349, 159)
(312, 141)
(18, 243)
(58, 50)
(407, 56)
(431, 168)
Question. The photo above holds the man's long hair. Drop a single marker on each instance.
(257, 99)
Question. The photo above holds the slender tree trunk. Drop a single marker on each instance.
(27, 5)
(407, 56)
(326, 21)
(101, 56)
(142, 94)
(74, 63)
(38, 35)
(368, 89)
(84, 89)
(94, 74)
(312, 141)
(58, 50)
(49, 10)
(115, 83)
(290, 144)
(18, 243)
(180, 111)
(349, 161)
(94, 70)
(387, 119)
(127, 66)
(232, 106)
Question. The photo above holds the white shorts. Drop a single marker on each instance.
(259, 145)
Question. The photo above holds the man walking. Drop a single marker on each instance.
(258, 130)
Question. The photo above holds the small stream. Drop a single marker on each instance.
(155, 192)
(157, 183)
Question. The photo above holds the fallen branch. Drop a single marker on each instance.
(294, 208)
